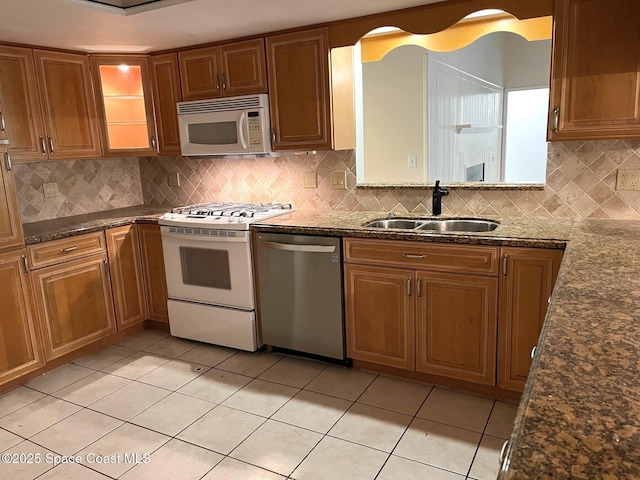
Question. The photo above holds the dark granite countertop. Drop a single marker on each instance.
(524, 232)
(56, 228)
(579, 416)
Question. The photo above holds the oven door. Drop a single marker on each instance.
(213, 133)
(207, 269)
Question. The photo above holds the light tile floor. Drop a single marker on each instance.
(184, 410)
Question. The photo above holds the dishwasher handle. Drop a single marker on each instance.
(299, 248)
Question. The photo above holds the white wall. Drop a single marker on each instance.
(527, 64)
(393, 108)
(482, 59)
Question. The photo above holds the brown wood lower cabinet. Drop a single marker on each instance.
(456, 326)
(528, 278)
(406, 311)
(435, 322)
(19, 345)
(155, 280)
(380, 315)
(126, 275)
(74, 303)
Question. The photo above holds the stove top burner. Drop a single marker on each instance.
(224, 215)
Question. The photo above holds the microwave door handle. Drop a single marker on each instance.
(243, 125)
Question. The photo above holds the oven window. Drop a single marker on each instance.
(205, 267)
(214, 133)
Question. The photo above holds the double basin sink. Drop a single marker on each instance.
(436, 225)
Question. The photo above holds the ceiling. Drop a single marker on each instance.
(70, 24)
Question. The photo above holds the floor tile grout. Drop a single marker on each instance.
(213, 405)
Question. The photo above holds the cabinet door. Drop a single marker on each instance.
(155, 280)
(200, 73)
(526, 286)
(595, 77)
(165, 81)
(74, 304)
(68, 105)
(298, 66)
(125, 106)
(244, 69)
(126, 275)
(456, 323)
(19, 348)
(21, 118)
(10, 224)
(380, 315)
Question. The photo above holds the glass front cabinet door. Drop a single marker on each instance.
(125, 105)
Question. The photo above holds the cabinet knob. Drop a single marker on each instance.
(504, 265)
(533, 352)
(419, 287)
(154, 144)
(50, 145)
(409, 287)
(26, 264)
(3, 126)
(218, 82)
(224, 81)
(43, 147)
(273, 135)
(556, 119)
(69, 249)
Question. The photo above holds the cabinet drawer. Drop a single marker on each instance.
(478, 259)
(56, 251)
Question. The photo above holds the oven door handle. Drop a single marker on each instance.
(299, 248)
(205, 238)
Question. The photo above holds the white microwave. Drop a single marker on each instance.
(225, 126)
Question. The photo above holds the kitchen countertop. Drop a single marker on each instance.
(579, 416)
(57, 228)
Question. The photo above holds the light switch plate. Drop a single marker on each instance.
(50, 189)
(309, 180)
(173, 178)
(338, 180)
(412, 161)
(628, 179)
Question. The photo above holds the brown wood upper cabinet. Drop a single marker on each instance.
(11, 234)
(595, 72)
(68, 105)
(224, 70)
(123, 90)
(527, 281)
(19, 341)
(48, 108)
(165, 83)
(299, 99)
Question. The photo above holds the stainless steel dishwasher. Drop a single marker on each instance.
(300, 293)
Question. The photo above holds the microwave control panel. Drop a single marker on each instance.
(255, 130)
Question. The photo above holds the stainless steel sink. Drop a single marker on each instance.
(404, 223)
(463, 225)
(436, 225)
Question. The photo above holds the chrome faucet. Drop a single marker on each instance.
(438, 193)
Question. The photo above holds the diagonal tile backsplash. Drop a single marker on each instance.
(84, 186)
(580, 183)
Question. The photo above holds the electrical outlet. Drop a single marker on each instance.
(50, 189)
(173, 179)
(309, 180)
(628, 179)
(338, 180)
(412, 161)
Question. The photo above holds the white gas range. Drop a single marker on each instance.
(207, 258)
